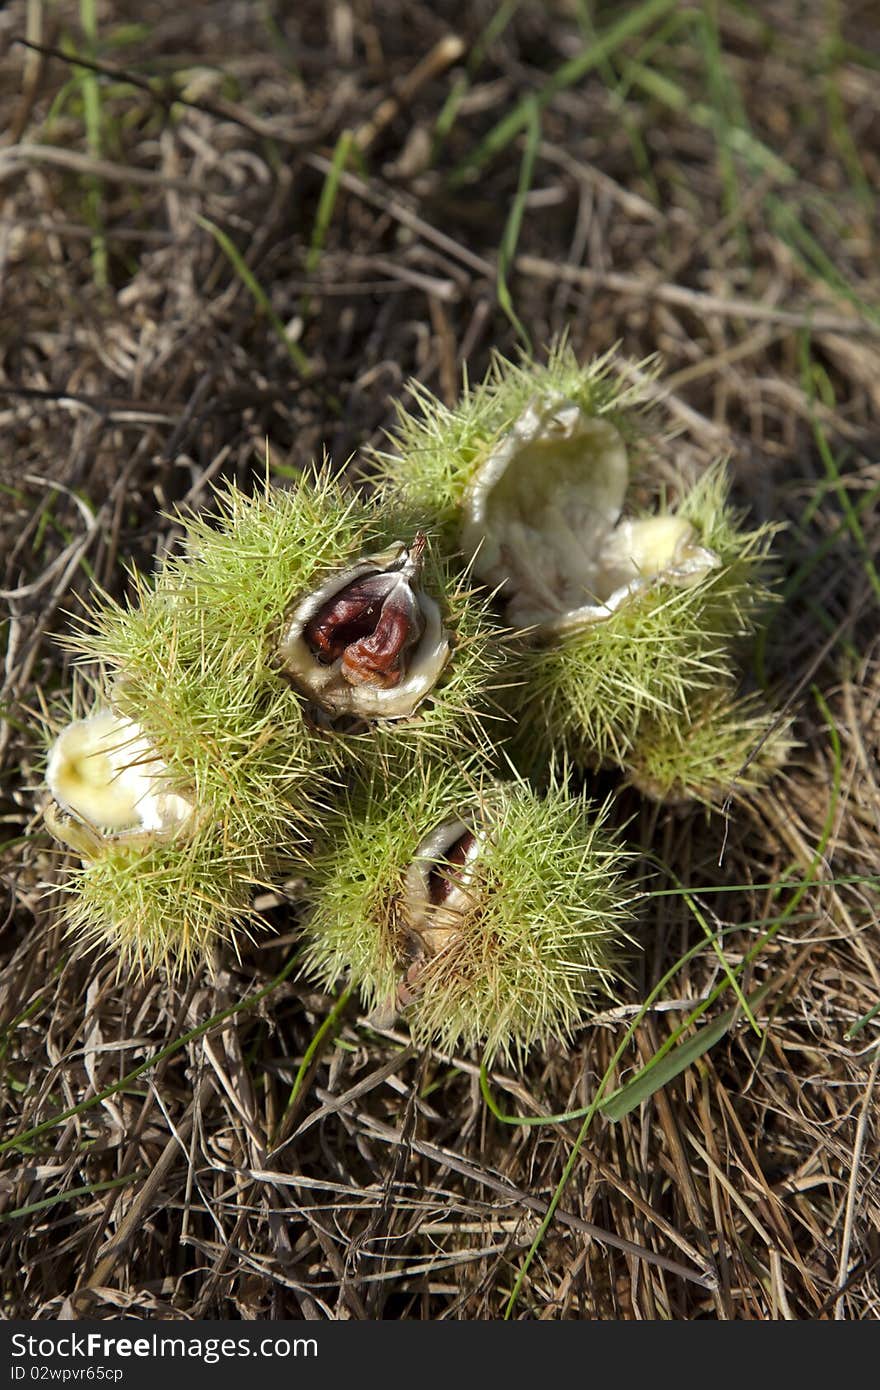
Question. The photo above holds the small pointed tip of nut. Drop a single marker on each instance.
(413, 557)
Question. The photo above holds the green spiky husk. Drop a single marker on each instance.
(193, 660)
(169, 904)
(728, 748)
(231, 589)
(437, 451)
(355, 870)
(656, 657)
(583, 696)
(543, 943)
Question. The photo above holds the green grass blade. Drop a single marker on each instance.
(565, 76)
(860, 1023)
(832, 471)
(658, 1072)
(326, 205)
(646, 1079)
(22, 1140)
(740, 141)
(509, 241)
(86, 1190)
(647, 1082)
(314, 1046)
(246, 275)
(461, 84)
(88, 82)
(712, 938)
(816, 553)
(728, 117)
(734, 137)
(834, 61)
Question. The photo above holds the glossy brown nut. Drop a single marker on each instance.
(371, 625)
(437, 892)
(445, 876)
(370, 641)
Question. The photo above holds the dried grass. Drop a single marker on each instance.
(711, 198)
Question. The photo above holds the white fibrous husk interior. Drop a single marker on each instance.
(330, 684)
(542, 523)
(106, 775)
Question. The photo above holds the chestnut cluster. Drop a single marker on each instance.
(384, 700)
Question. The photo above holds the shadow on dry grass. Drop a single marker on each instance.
(702, 183)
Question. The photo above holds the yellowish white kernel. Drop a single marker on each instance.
(106, 775)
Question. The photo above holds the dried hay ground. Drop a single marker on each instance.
(706, 187)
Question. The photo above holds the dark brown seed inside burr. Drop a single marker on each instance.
(348, 616)
(445, 874)
(372, 623)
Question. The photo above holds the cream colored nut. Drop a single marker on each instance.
(634, 555)
(104, 773)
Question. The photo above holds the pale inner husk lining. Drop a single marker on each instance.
(542, 521)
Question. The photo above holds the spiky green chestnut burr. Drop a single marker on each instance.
(198, 711)
(727, 748)
(492, 917)
(191, 659)
(168, 904)
(192, 707)
(394, 651)
(666, 641)
(439, 450)
(161, 880)
(624, 613)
